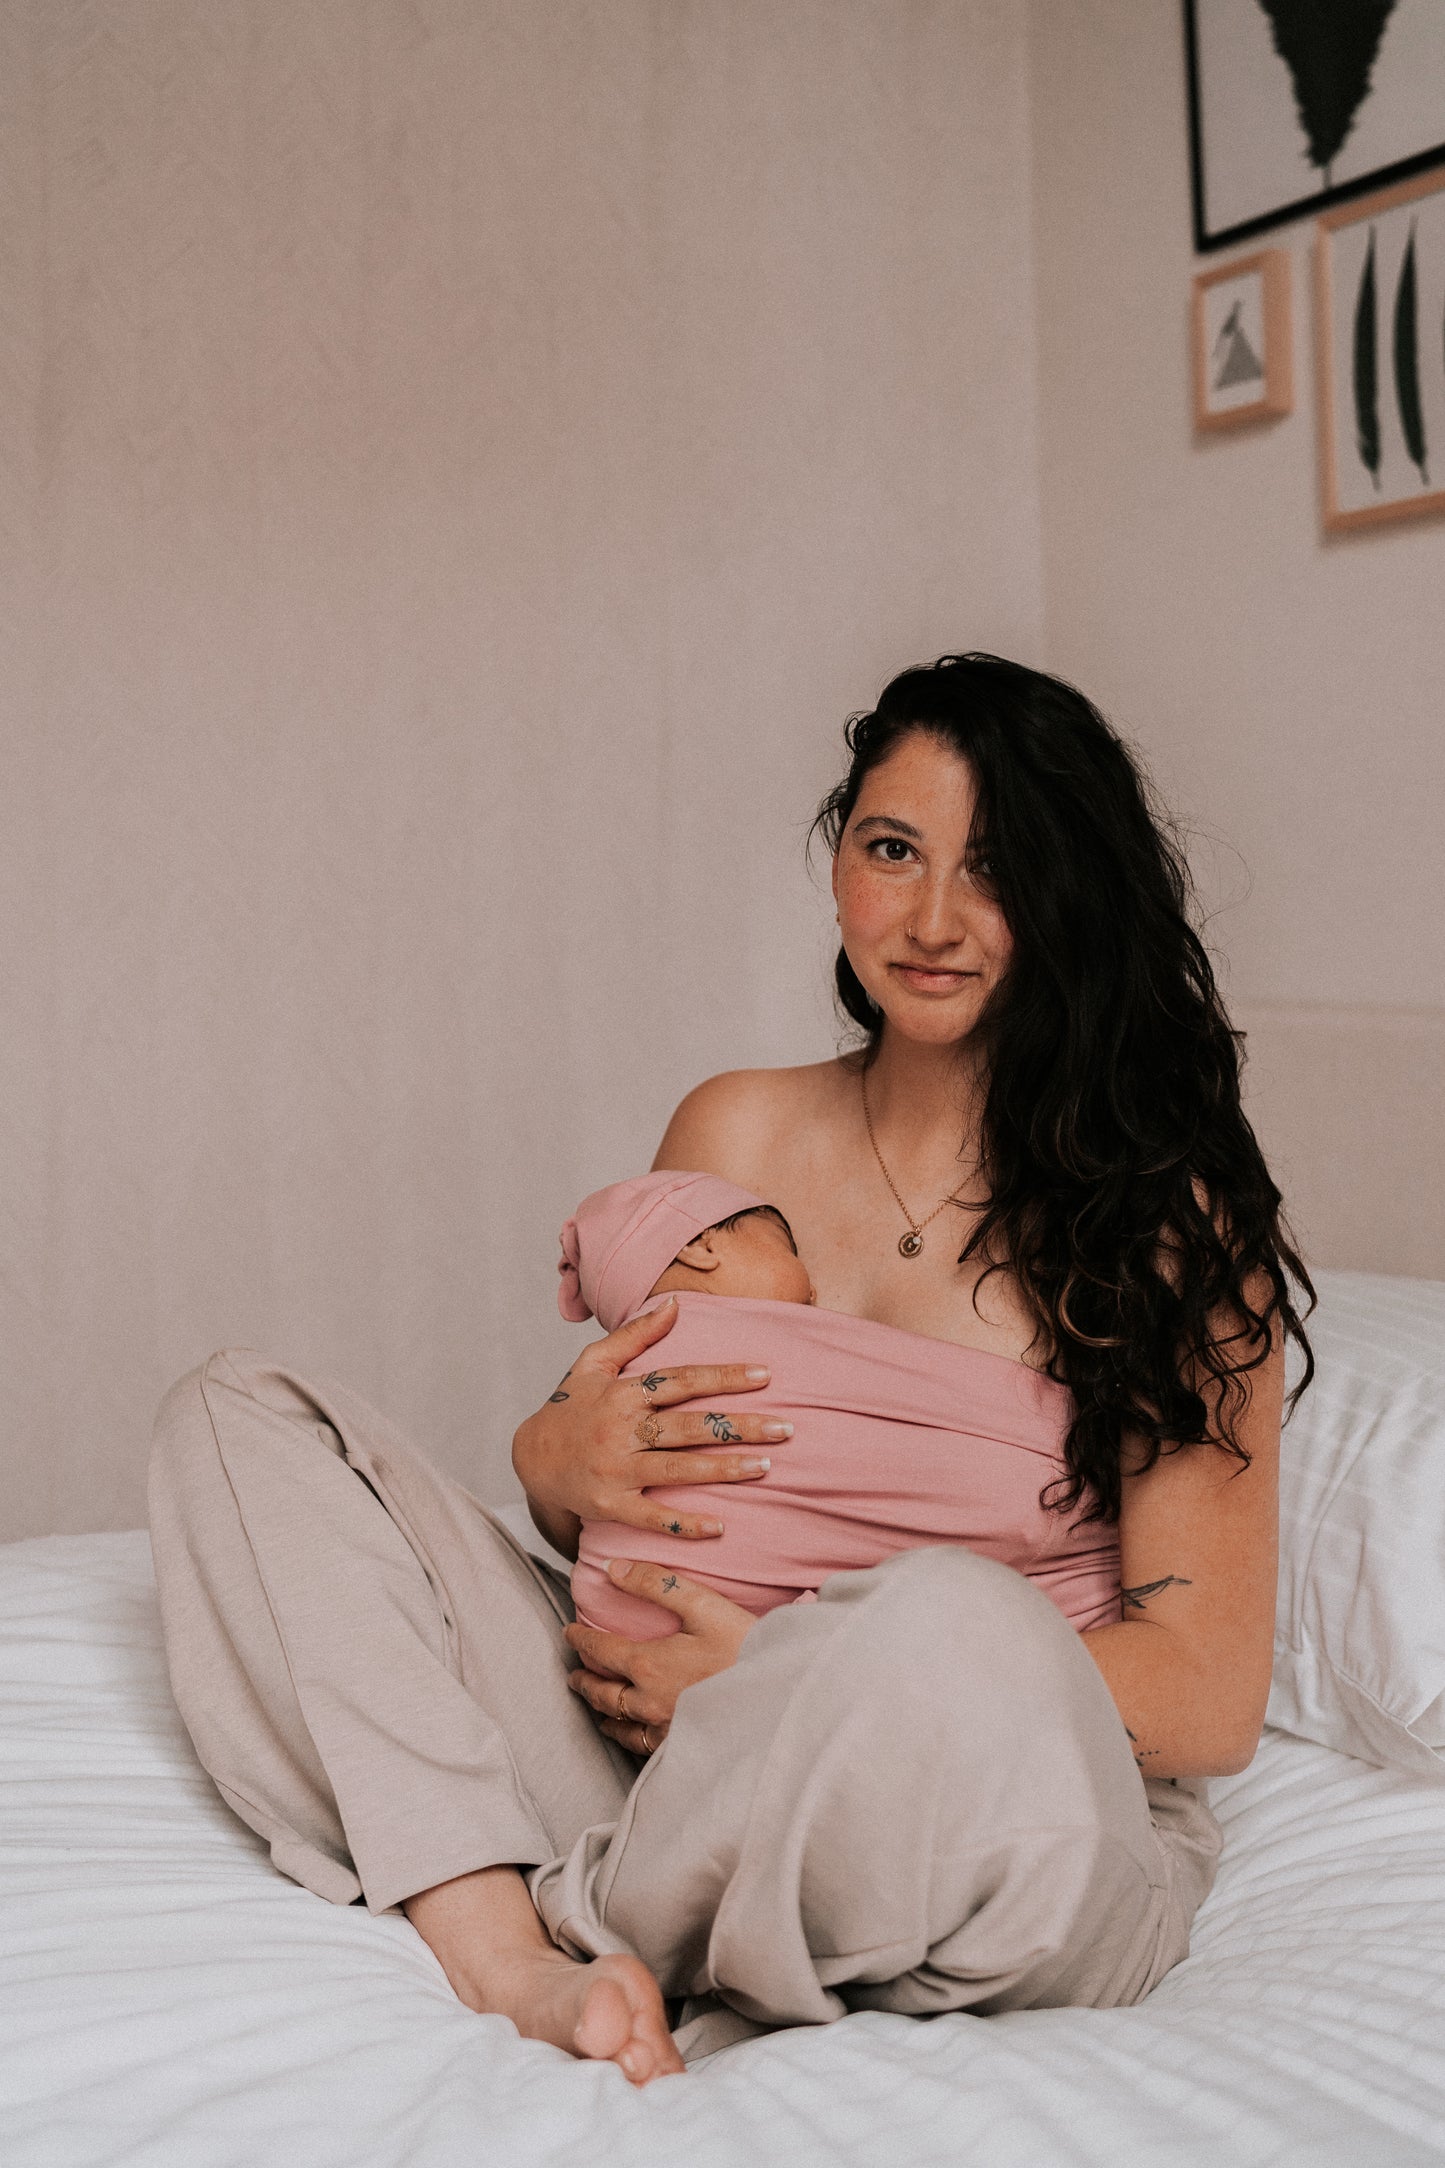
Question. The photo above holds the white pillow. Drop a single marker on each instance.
(1359, 1652)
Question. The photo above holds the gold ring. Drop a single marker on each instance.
(649, 1430)
(646, 1742)
(622, 1716)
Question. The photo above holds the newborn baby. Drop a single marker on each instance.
(899, 1439)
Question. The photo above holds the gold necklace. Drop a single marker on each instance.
(910, 1244)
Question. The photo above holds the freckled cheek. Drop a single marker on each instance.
(870, 908)
(997, 942)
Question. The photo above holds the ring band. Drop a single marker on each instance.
(622, 1716)
(646, 1742)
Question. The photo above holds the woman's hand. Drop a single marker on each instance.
(646, 1677)
(601, 1439)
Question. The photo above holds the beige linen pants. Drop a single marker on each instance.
(915, 1794)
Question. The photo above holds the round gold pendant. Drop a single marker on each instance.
(910, 1244)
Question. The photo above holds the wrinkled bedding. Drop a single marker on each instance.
(167, 1998)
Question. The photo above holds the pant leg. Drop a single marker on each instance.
(914, 1795)
(371, 1667)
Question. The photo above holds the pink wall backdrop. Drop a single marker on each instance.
(460, 464)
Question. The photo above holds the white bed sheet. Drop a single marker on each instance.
(167, 1998)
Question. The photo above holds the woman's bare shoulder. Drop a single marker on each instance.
(730, 1125)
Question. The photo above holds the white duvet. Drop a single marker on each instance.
(166, 1997)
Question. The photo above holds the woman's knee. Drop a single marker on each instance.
(931, 1608)
(944, 1582)
(200, 1408)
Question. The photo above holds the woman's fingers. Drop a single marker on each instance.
(630, 1340)
(693, 1603)
(661, 1387)
(603, 1652)
(617, 1701)
(714, 1426)
(682, 1468)
(639, 1739)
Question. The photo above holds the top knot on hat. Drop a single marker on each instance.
(620, 1240)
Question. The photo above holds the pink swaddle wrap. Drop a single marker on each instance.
(899, 1440)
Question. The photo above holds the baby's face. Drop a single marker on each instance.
(753, 1258)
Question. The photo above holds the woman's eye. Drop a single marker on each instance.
(892, 843)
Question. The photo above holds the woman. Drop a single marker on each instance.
(922, 1792)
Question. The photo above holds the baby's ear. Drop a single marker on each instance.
(700, 1255)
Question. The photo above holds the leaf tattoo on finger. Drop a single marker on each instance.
(653, 1379)
(722, 1427)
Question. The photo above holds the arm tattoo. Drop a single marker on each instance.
(722, 1427)
(1141, 1754)
(653, 1379)
(1139, 1596)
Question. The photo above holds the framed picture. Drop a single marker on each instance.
(1243, 346)
(1296, 104)
(1380, 336)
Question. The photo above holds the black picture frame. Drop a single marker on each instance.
(1205, 239)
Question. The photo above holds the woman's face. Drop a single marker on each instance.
(920, 927)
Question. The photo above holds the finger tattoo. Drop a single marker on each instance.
(653, 1379)
(722, 1427)
(674, 1528)
(669, 1582)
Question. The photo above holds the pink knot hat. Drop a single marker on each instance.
(621, 1239)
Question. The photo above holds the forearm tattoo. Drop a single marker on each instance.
(1139, 1596)
(723, 1427)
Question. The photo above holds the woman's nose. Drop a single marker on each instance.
(938, 918)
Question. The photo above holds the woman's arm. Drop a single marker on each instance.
(1189, 1663)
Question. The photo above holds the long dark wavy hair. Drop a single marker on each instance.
(1126, 1190)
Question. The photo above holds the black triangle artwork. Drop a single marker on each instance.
(1329, 47)
(1238, 361)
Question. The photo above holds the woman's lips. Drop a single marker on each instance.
(932, 982)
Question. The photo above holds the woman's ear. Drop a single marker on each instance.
(700, 1255)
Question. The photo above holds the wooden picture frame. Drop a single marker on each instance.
(1242, 341)
(1380, 356)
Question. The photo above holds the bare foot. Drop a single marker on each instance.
(610, 2010)
(484, 1931)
